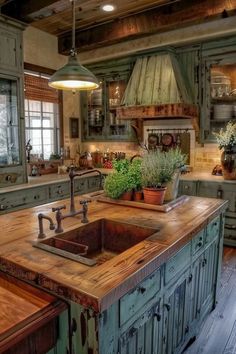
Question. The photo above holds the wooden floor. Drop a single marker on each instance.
(218, 335)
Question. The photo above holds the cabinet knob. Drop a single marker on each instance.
(200, 244)
(3, 207)
(142, 290)
(167, 306)
(157, 316)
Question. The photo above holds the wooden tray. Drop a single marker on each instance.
(164, 207)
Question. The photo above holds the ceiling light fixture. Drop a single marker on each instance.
(73, 76)
(108, 8)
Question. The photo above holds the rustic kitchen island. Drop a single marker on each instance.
(151, 298)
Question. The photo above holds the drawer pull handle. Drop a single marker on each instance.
(200, 244)
(167, 306)
(204, 262)
(142, 290)
(157, 316)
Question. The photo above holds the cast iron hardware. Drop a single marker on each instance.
(167, 306)
(73, 326)
(204, 262)
(190, 278)
(3, 207)
(200, 244)
(132, 331)
(157, 316)
(142, 290)
(186, 330)
(219, 193)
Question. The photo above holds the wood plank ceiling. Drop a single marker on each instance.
(131, 18)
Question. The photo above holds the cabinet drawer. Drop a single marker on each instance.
(12, 200)
(212, 230)
(36, 195)
(198, 242)
(177, 263)
(94, 183)
(131, 303)
(188, 187)
(81, 185)
(59, 191)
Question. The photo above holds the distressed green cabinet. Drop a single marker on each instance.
(98, 107)
(223, 190)
(28, 197)
(218, 86)
(162, 313)
(12, 141)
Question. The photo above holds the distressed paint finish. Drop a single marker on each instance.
(166, 321)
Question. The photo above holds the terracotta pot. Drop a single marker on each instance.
(228, 163)
(127, 195)
(172, 188)
(154, 195)
(138, 195)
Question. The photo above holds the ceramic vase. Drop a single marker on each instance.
(228, 163)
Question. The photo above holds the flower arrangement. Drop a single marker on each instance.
(226, 138)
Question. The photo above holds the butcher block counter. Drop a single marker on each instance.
(141, 281)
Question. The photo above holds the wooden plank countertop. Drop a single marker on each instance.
(99, 286)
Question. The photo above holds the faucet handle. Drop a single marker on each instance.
(85, 201)
(59, 208)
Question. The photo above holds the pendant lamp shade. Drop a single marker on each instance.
(73, 76)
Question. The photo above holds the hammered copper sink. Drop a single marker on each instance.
(96, 242)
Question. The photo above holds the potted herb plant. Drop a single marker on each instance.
(136, 176)
(226, 138)
(157, 170)
(178, 159)
(115, 185)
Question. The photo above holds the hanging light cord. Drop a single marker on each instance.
(73, 50)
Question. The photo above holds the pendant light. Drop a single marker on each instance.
(73, 76)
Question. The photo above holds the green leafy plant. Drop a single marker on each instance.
(121, 166)
(135, 174)
(158, 167)
(116, 184)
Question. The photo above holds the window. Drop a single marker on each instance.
(41, 116)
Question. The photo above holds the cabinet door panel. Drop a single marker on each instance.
(145, 335)
(176, 315)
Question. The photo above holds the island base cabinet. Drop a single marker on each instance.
(163, 312)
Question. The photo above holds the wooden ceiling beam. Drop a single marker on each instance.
(23, 8)
(174, 16)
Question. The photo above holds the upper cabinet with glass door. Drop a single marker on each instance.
(12, 142)
(98, 108)
(219, 92)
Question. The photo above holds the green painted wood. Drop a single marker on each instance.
(134, 301)
(177, 263)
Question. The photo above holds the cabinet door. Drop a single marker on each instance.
(145, 335)
(218, 95)
(98, 108)
(59, 191)
(203, 284)
(176, 313)
(187, 187)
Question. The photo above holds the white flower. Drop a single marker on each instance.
(227, 137)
